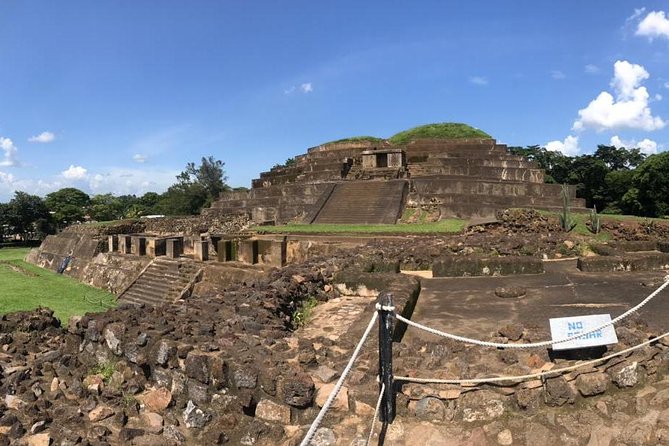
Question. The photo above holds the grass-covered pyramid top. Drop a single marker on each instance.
(442, 130)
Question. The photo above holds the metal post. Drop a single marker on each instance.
(387, 414)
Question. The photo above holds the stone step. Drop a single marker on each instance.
(150, 290)
(160, 276)
(485, 172)
(434, 186)
(425, 156)
(140, 298)
(371, 202)
(506, 201)
(161, 283)
(482, 162)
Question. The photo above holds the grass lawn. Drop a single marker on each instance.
(443, 226)
(26, 286)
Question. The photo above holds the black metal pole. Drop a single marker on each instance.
(387, 414)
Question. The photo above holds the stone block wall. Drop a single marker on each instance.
(454, 266)
(464, 178)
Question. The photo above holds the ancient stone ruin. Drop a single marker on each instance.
(373, 181)
(224, 336)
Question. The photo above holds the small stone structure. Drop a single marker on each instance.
(453, 178)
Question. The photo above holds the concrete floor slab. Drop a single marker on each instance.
(469, 307)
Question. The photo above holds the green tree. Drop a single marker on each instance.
(589, 175)
(195, 189)
(619, 158)
(4, 221)
(209, 175)
(605, 178)
(619, 183)
(651, 179)
(183, 199)
(147, 204)
(105, 207)
(23, 211)
(69, 205)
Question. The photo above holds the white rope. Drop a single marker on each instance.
(531, 376)
(376, 414)
(536, 344)
(340, 383)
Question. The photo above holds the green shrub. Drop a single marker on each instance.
(105, 369)
(302, 314)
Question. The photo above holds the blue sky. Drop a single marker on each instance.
(117, 96)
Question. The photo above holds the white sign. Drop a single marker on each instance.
(567, 327)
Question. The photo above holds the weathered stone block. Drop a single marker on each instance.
(558, 392)
(453, 266)
(298, 391)
(197, 367)
(201, 249)
(270, 411)
(592, 383)
(340, 403)
(194, 417)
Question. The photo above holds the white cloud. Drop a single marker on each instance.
(117, 181)
(6, 186)
(627, 77)
(567, 147)
(558, 75)
(122, 181)
(10, 150)
(478, 80)
(139, 158)
(44, 137)
(655, 24)
(666, 85)
(646, 145)
(305, 88)
(591, 69)
(637, 13)
(629, 109)
(74, 173)
(658, 97)
(6, 178)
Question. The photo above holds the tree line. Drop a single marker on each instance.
(33, 217)
(613, 180)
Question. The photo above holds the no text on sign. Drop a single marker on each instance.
(567, 327)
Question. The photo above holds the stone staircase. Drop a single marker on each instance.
(162, 282)
(365, 202)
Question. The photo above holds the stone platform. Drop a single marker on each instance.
(466, 306)
(352, 182)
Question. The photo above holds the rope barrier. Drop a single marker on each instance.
(533, 375)
(531, 345)
(391, 309)
(376, 415)
(319, 418)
